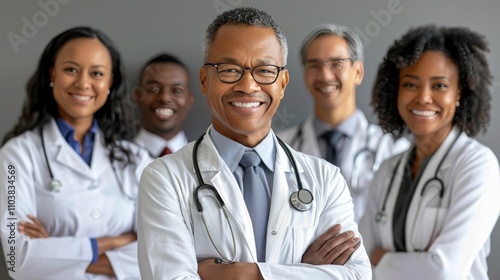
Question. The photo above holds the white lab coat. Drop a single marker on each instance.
(172, 237)
(91, 203)
(458, 246)
(368, 138)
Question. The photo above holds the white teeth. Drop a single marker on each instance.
(81, 97)
(246, 105)
(424, 113)
(329, 88)
(165, 111)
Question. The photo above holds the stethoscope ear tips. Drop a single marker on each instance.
(55, 185)
(301, 200)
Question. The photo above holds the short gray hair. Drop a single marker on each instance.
(244, 15)
(352, 39)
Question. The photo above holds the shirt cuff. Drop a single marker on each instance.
(95, 250)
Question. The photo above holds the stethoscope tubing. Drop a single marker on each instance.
(295, 198)
(382, 215)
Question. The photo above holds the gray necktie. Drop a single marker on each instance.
(332, 138)
(255, 195)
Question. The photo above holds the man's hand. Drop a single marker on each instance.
(331, 247)
(209, 270)
(33, 230)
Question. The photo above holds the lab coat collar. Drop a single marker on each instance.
(208, 157)
(280, 211)
(307, 141)
(213, 162)
(55, 144)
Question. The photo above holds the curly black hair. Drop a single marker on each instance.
(40, 106)
(467, 49)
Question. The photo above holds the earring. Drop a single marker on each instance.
(51, 84)
(109, 91)
(457, 103)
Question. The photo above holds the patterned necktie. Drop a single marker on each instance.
(332, 138)
(255, 195)
(165, 151)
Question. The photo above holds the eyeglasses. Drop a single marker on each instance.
(232, 73)
(334, 64)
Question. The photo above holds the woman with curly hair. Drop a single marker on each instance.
(70, 181)
(432, 208)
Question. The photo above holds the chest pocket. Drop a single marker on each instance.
(300, 234)
(429, 219)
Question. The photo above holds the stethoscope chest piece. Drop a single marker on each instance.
(55, 185)
(381, 217)
(301, 200)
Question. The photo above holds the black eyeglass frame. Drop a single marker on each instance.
(216, 66)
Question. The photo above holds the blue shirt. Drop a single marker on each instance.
(232, 152)
(68, 132)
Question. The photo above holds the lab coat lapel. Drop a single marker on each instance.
(100, 158)
(59, 152)
(386, 227)
(351, 150)
(309, 145)
(280, 212)
(429, 173)
(214, 170)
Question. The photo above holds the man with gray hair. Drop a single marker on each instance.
(332, 57)
(239, 203)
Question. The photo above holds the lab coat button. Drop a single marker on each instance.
(93, 185)
(273, 232)
(96, 214)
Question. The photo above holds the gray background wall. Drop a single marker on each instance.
(143, 28)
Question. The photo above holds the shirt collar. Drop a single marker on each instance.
(155, 144)
(348, 127)
(68, 132)
(232, 152)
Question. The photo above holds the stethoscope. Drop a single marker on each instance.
(301, 199)
(55, 185)
(381, 215)
(362, 157)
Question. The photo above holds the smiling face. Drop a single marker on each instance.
(427, 95)
(82, 75)
(243, 111)
(332, 92)
(164, 98)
